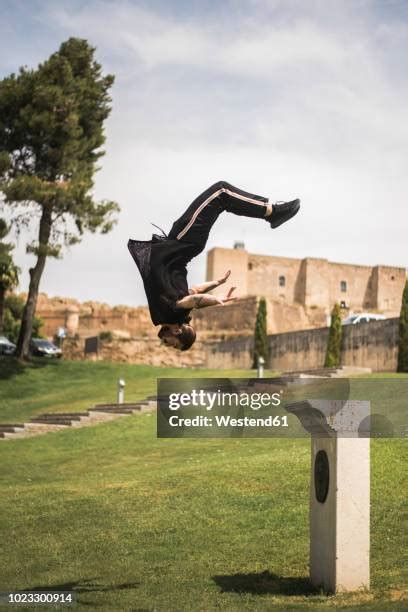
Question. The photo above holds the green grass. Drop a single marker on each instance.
(128, 521)
(61, 386)
(131, 522)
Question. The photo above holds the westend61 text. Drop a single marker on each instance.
(214, 399)
(228, 421)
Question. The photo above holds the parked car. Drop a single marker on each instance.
(362, 317)
(44, 348)
(6, 347)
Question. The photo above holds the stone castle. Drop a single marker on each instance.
(310, 282)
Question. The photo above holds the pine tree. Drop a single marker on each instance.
(403, 333)
(333, 353)
(261, 348)
(51, 134)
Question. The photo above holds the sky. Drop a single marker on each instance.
(283, 98)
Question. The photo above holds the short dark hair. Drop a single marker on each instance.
(187, 337)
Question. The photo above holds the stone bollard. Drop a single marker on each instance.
(121, 391)
(260, 363)
(339, 492)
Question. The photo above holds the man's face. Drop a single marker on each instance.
(169, 336)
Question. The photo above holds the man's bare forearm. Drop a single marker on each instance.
(202, 300)
(197, 300)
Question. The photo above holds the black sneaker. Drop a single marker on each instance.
(283, 212)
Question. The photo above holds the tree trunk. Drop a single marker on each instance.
(26, 329)
(2, 300)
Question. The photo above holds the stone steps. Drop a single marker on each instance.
(64, 414)
(3, 426)
(53, 421)
(116, 411)
(119, 408)
(7, 429)
(313, 371)
(123, 405)
(341, 371)
(56, 417)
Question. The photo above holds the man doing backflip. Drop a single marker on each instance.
(162, 261)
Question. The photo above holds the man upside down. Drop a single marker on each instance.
(162, 261)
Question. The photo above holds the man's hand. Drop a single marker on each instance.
(209, 285)
(224, 278)
(227, 298)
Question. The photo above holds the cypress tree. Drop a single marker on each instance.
(261, 348)
(403, 333)
(334, 342)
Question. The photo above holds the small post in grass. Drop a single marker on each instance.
(121, 391)
(339, 492)
(260, 363)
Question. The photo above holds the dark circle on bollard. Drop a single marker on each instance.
(321, 476)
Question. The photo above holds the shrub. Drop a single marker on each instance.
(403, 333)
(106, 336)
(261, 348)
(13, 311)
(334, 342)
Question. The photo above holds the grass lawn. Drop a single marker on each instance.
(62, 386)
(130, 522)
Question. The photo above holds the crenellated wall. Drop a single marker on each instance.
(91, 318)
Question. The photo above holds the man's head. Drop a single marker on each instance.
(180, 336)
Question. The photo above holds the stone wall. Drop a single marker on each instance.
(238, 318)
(91, 318)
(264, 272)
(140, 350)
(220, 260)
(390, 284)
(304, 349)
(235, 317)
(373, 345)
(232, 353)
(225, 335)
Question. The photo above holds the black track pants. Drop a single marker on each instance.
(195, 224)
